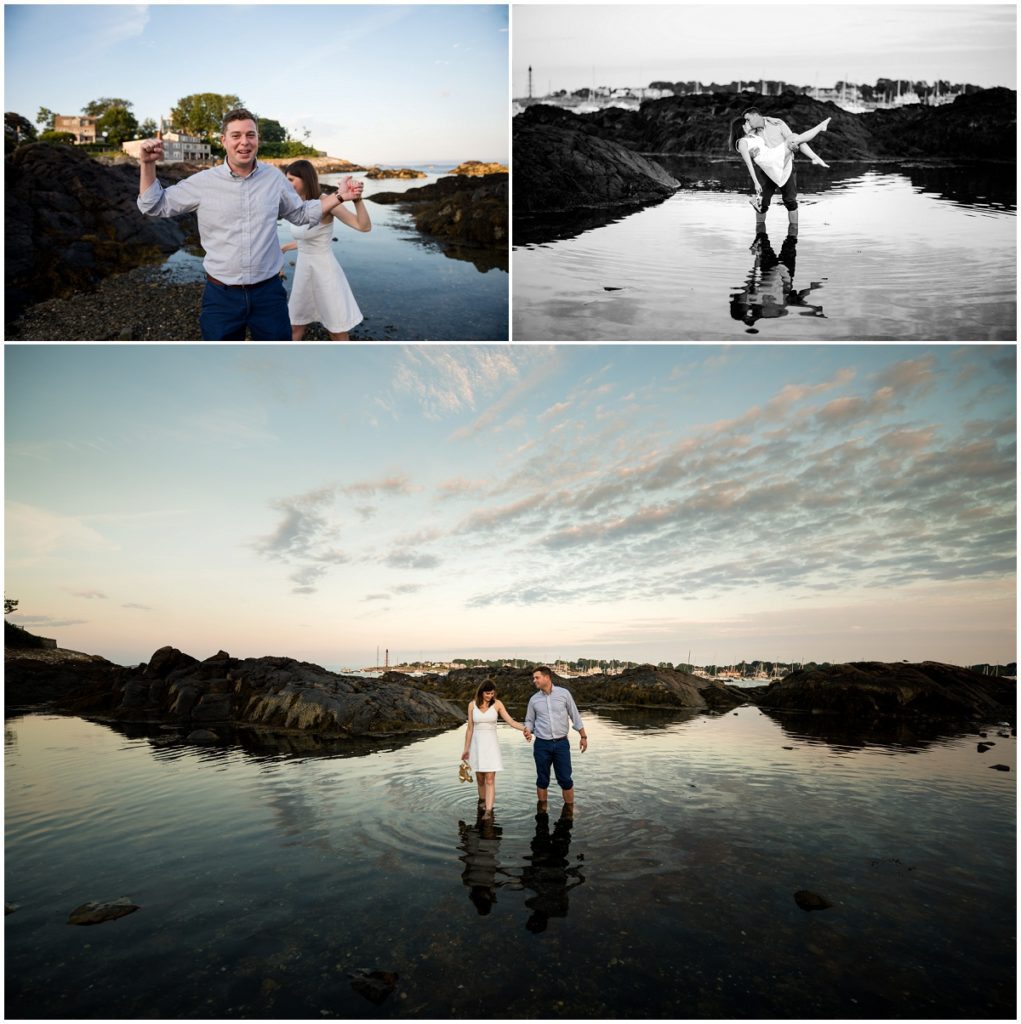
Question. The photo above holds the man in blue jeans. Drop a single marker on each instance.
(238, 204)
(550, 715)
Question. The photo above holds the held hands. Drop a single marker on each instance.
(350, 189)
(584, 744)
(527, 734)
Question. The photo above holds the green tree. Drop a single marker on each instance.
(17, 130)
(46, 118)
(271, 131)
(99, 107)
(202, 113)
(118, 125)
(62, 138)
(148, 128)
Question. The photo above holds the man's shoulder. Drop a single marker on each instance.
(777, 122)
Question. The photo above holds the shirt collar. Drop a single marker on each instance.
(230, 170)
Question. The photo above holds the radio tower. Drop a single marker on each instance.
(529, 81)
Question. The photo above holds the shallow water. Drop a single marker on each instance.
(881, 254)
(407, 287)
(266, 879)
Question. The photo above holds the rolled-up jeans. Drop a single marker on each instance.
(556, 753)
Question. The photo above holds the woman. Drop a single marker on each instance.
(775, 161)
(481, 746)
(320, 290)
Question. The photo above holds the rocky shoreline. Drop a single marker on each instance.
(279, 695)
(82, 264)
(574, 171)
(143, 304)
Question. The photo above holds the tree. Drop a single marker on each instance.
(118, 124)
(46, 118)
(17, 130)
(99, 107)
(202, 113)
(271, 131)
(10, 604)
(148, 128)
(61, 138)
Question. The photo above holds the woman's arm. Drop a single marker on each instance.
(468, 735)
(289, 246)
(502, 712)
(358, 219)
(742, 148)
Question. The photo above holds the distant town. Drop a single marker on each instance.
(758, 671)
(854, 97)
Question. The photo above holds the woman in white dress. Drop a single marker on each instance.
(481, 746)
(320, 291)
(777, 161)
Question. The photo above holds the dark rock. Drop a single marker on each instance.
(9, 908)
(562, 168)
(203, 736)
(276, 694)
(811, 900)
(97, 913)
(378, 173)
(1000, 767)
(983, 747)
(63, 239)
(868, 690)
(374, 985)
(457, 208)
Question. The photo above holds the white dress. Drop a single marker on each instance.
(484, 752)
(776, 161)
(320, 291)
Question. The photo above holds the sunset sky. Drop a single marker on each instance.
(638, 502)
(577, 47)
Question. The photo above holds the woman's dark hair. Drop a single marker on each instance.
(483, 688)
(736, 131)
(304, 170)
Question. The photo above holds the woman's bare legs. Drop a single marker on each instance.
(796, 140)
(489, 780)
(342, 336)
(807, 150)
(298, 332)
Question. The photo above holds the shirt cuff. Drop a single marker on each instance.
(150, 197)
(315, 212)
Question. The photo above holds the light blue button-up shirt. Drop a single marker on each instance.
(237, 218)
(551, 717)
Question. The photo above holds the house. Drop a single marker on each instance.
(176, 146)
(82, 128)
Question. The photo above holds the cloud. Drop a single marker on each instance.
(411, 560)
(46, 622)
(397, 484)
(140, 607)
(34, 532)
(88, 595)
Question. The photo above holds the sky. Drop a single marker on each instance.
(375, 83)
(635, 502)
(576, 47)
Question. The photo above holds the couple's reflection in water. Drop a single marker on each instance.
(547, 871)
(768, 291)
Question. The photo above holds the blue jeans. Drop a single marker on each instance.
(260, 308)
(556, 753)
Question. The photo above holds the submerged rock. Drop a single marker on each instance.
(811, 900)
(377, 173)
(97, 913)
(374, 985)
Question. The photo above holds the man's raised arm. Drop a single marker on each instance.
(150, 152)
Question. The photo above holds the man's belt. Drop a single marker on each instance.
(212, 280)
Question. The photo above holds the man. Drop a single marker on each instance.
(551, 713)
(773, 131)
(238, 204)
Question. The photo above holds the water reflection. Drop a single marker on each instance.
(480, 844)
(769, 288)
(549, 873)
(897, 735)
